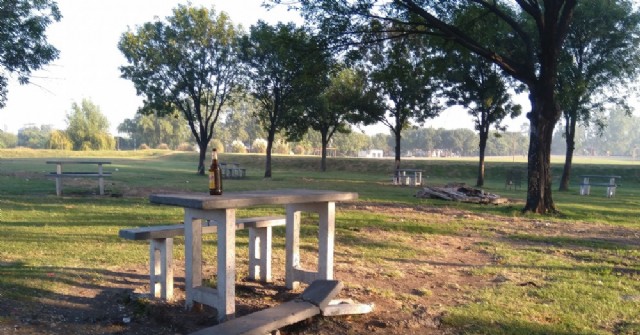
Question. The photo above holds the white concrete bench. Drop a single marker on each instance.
(161, 249)
(610, 183)
(311, 302)
(59, 175)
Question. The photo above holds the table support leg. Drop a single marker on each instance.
(193, 255)
(227, 265)
(326, 241)
(59, 179)
(292, 247)
(223, 297)
(100, 179)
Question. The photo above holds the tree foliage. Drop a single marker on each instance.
(88, 128)
(34, 137)
(529, 52)
(187, 63)
(600, 57)
(404, 72)
(154, 130)
(286, 68)
(346, 100)
(23, 43)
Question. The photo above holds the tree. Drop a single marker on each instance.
(346, 100)
(403, 72)
(58, 140)
(600, 57)
(286, 67)
(88, 128)
(23, 43)
(8, 140)
(529, 53)
(154, 130)
(188, 63)
(477, 85)
(34, 137)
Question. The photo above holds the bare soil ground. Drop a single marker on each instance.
(410, 296)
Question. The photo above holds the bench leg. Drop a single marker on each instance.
(58, 186)
(260, 254)
(161, 268)
(101, 185)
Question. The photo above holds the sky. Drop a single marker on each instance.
(88, 66)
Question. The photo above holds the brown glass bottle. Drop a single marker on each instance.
(215, 175)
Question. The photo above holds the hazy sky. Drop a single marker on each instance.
(87, 38)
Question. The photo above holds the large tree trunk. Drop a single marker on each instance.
(398, 151)
(570, 138)
(543, 117)
(267, 165)
(483, 145)
(323, 160)
(202, 157)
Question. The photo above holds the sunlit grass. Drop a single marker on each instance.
(538, 283)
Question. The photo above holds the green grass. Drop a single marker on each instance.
(555, 284)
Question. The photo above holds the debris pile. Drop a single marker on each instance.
(460, 192)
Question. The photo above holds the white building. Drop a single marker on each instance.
(373, 153)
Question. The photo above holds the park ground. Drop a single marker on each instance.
(429, 266)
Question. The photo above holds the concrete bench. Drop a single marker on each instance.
(610, 182)
(59, 175)
(311, 302)
(161, 249)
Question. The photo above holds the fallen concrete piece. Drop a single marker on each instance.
(318, 295)
(346, 307)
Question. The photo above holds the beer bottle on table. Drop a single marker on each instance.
(215, 175)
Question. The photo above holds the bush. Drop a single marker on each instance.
(163, 146)
(281, 147)
(185, 147)
(238, 147)
(259, 146)
(299, 149)
(144, 146)
(216, 143)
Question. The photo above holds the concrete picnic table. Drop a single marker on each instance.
(221, 210)
(59, 174)
(610, 182)
(411, 177)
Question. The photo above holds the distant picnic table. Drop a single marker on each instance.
(412, 177)
(59, 174)
(608, 181)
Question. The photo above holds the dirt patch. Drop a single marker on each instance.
(410, 293)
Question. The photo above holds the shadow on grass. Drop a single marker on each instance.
(61, 300)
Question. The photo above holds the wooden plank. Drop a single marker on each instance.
(264, 321)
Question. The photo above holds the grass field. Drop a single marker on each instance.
(468, 268)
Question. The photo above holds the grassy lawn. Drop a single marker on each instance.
(474, 269)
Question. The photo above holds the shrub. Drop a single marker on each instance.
(216, 143)
(281, 147)
(238, 147)
(163, 146)
(299, 149)
(259, 146)
(143, 146)
(185, 147)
